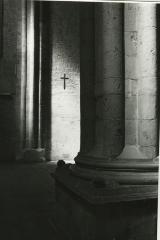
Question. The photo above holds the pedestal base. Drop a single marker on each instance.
(33, 155)
(100, 187)
(132, 152)
(134, 164)
(94, 214)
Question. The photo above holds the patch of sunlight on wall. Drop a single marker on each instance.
(65, 133)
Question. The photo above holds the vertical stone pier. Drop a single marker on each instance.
(140, 82)
(108, 92)
(87, 55)
(108, 80)
(29, 108)
(32, 150)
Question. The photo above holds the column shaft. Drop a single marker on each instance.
(21, 78)
(33, 150)
(109, 79)
(105, 101)
(40, 80)
(87, 76)
(30, 76)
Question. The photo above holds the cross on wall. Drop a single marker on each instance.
(64, 78)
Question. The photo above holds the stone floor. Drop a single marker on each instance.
(28, 210)
(27, 202)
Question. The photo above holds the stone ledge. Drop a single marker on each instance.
(98, 191)
(33, 155)
(120, 176)
(118, 164)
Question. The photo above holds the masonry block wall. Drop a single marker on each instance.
(63, 36)
(141, 77)
(61, 41)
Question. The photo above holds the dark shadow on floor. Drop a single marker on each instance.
(27, 202)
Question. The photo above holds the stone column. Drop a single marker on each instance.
(29, 138)
(140, 82)
(109, 88)
(118, 166)
(21, 78)
(87, 56)
(32, 139)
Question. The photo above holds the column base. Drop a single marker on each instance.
(100, 187)
(129, 179)
(127, 164)
(33, 155)
(132, 152)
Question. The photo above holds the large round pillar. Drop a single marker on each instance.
(29, 108)
(108, 80)
(120, 114)
(108, 93)
(31, 89)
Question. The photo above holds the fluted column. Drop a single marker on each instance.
(140, 82)
(108, 92)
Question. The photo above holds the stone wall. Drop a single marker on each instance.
(63, 33)
(58, 111)
(141, 77)
(10, 76)
(135, 220)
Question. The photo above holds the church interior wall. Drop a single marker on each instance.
(82, 221)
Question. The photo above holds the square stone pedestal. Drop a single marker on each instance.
(85, 213)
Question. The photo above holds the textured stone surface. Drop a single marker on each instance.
(148, 133)
(107, 107)
(21, 75)
(147, 107)
(131, 106)
(131, 131)
(105, 143)
(134, 220)
(28, 191)
(109, 86)
(65, 110)
(87, 75)
(8, 79)
(140, 78)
